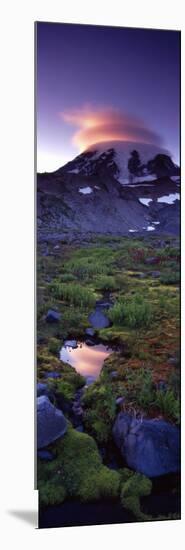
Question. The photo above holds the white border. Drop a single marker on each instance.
(17, 315)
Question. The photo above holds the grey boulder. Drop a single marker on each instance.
(98, 320)
(151, 447)
(90, 331)
(42, 389)
(51, 423)
(53, 316)
(71, 344)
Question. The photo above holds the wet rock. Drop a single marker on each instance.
(71, 344)
(53, 316)
(155, 274)
(90, 342)
(51, 423)
(151, 447)
(98, 320)
(90, 331)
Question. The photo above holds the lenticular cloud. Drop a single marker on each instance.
(97, 125)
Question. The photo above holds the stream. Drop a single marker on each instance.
(87, 358)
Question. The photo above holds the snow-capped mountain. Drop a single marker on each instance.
(115, 188)
(128, 162)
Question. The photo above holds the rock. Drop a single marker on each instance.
(52, 374)
(151, 447)
(138, 275)
(71, 344)
(42, 389)
(162, 386)
(120, 400)
(102, 304)
(53, 316)
(155, 274)
(90, 342)
(98, 320)
(113, 374)
(173, 361)
(78, 411)
(90, 380)
(90, 331)
(51, 423)
(79, 428)
(46, 455)
(151, 260)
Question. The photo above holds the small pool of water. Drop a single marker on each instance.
(87, 360)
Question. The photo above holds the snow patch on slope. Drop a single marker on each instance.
(122, 152)
(169, 199)
(144, 201)
(85, 190)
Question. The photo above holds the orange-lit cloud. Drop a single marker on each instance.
(98, 125)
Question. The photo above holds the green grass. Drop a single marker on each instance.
(73, 293)
(134, 312)
(170, 278)
(106, 283)
(168, 404)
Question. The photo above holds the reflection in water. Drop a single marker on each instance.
(87, 360)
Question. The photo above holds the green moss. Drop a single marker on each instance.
(77, 471)
(50, 493)
(54, 345)
(100, 410)
(135, 487)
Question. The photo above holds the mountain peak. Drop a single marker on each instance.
(127, 162)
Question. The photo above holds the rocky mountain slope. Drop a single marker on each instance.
(116, 188)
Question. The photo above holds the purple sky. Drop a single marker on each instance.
(94, 82)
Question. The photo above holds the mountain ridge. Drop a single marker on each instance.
(86, 195)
